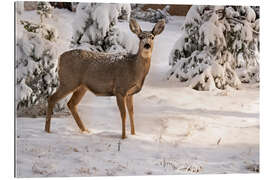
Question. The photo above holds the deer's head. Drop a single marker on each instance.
(146, 37)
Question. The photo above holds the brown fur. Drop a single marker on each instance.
(120, 75)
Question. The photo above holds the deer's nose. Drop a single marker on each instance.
(147, 46)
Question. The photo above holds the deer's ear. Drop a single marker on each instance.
(134, 26)
(159, 27)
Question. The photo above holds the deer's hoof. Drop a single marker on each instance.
(86, 131)
(124, 137)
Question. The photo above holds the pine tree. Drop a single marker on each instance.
(36, 61)
(44, 9)
(218, 47)
(94, 27)
(149, 14)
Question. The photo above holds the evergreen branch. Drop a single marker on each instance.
(242, 18)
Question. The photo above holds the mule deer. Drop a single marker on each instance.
(104, 74)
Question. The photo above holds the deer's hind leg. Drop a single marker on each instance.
(60, 93)
(72, 105)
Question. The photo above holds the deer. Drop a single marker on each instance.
(105, 74)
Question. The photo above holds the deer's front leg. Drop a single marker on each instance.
(131, 112)
(121, 105)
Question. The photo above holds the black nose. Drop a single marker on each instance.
(147, 46)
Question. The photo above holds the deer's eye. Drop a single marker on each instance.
(152, 37)
(140, 37)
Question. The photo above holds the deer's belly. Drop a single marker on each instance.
(104, 94)
(101, 89)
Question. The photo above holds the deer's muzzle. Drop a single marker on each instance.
(147, 46)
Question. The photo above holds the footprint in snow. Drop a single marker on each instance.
(155, 99)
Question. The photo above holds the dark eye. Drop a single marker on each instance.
(140, 37)
(152, 37)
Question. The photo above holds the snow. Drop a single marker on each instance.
(178, 130)
(94, 22)
(246, 32)
(251, 15)
(193, 16)
(212, 32)
(230, 12)
(23, 91)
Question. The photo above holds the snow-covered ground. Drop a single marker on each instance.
(178, 130)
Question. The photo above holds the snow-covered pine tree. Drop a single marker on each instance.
(244, 41)
(36, 61)
(94, 27)
(149, 14)
(44, 9)
(218, 47)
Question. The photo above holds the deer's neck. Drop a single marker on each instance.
(143, 63)
(142, 68)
